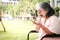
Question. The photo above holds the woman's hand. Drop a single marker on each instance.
(37, 23)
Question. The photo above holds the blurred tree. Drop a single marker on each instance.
(1, 17)
(57, 11)
(5, 7)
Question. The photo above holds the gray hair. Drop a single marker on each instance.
(38, 5)
(46, 6)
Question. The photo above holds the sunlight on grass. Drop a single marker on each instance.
(17, 30)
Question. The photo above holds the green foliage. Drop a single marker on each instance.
(57, 11)
(5, 7)
(23, 7)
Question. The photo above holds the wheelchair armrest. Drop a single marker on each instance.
(32, 31)
(51, 36)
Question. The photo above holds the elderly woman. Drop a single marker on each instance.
(48, 23)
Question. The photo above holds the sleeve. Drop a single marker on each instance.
(54, 26)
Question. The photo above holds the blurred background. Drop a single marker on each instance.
(16, 16)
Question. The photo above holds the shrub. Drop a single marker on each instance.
(57, 11)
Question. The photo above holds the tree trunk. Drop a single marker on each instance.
(1, 17)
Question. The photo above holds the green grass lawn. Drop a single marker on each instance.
(17, 30)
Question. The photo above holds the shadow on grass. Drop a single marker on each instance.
(2, 32)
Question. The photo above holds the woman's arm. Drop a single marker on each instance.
(37, 28)
(46, 30)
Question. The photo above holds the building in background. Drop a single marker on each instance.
(6, 2)
(54, 3)
(57, 3)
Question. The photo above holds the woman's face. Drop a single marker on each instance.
(42, 12)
